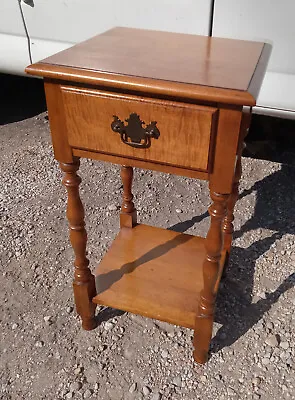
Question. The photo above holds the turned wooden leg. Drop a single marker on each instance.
(214, 245)
(128, 218)
(84, 282)
(228, 227)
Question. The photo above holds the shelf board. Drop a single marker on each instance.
(153, 272)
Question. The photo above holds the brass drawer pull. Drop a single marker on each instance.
(134, 134)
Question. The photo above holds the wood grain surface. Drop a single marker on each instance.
(164, 64)
(153, 272)
(169, 169)
(200, 60)
(185, 129)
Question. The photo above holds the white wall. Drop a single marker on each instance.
(268, 21)
(55, 24)
(14, 52)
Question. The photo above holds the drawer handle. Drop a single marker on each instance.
(134, 134)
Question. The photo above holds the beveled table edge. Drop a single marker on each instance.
(143, 86)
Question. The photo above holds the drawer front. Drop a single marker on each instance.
(181, 136)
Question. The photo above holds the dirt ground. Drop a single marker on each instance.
(44, 352)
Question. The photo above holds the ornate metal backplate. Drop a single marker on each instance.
(134, 134)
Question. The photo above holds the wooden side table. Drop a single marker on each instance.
(170, 102)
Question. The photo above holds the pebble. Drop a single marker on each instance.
(265, 361)
(203, 378)
(256, 381)
(230, 392)
(284, 356)
(164, 354)
(69, 310)
(272, 340)
(14, 326)
(34, 266)
(69, 395)
(146, 390)
(267, 354)
(177, 381)
(48, 320)
(108, 326)
(128, 353)
(269, 325)
(112, 207)
(178, 211)
(284, 345)
(78, 370)
(39, 343)
(75, 386)
(101, 347)
(87, 394)
(133, 387)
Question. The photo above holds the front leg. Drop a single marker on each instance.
(84, 281)
(211, 268)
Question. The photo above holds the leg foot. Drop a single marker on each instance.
(202, 339)
(83, 294)
(200, 357)
(89, 324)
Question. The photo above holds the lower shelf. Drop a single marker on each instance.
(153, 272)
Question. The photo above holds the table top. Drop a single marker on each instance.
(145, 60)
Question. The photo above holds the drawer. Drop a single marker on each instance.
(158, 131)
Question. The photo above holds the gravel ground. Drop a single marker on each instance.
(44, 352)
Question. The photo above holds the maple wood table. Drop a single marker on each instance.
(164, 101)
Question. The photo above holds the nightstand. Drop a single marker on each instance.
(169, 102)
